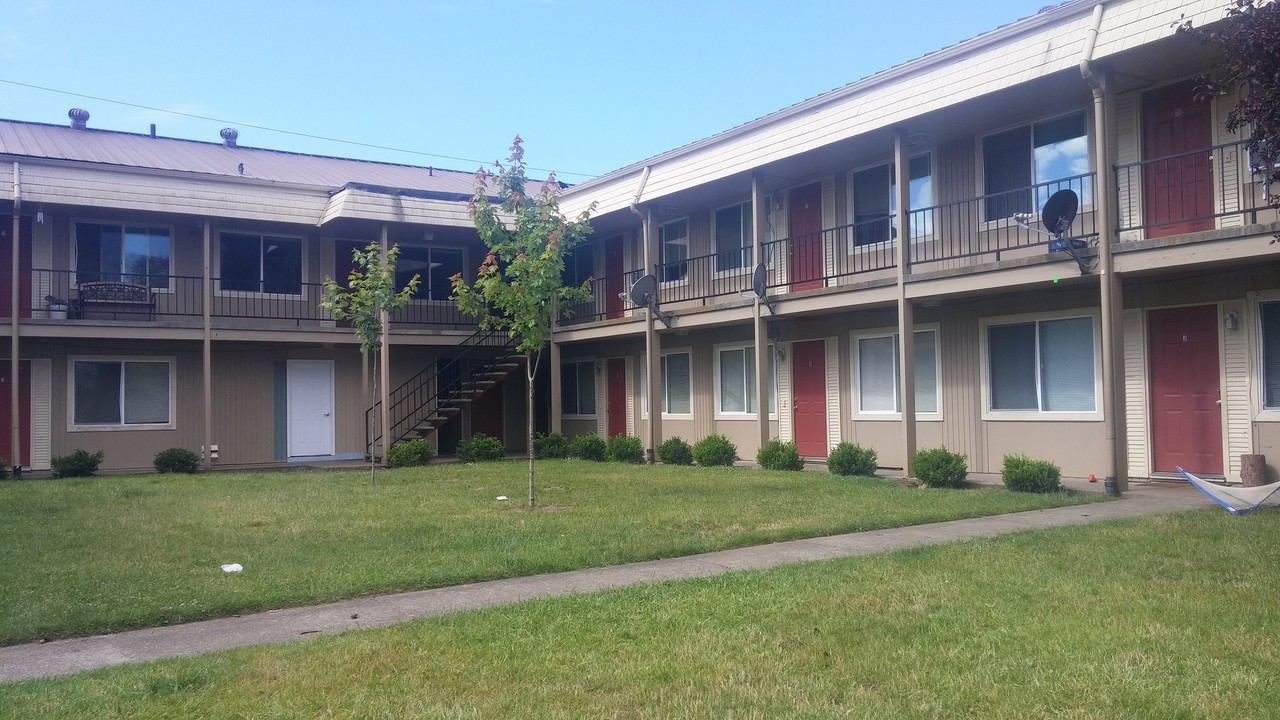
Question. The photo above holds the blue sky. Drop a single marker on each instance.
(591, 86)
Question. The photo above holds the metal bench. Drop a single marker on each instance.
(114, 297)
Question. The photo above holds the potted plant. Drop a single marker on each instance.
(57, 307)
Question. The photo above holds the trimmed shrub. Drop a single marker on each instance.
(550, 446)
(939, 467)
(588, 447)
(481, 448)
(80, 463)
(1023, 474)
(849, 459)
(715, 449)
(624, 449)
(779, 455)
(409, 453)
(176, 460)
(675, 451)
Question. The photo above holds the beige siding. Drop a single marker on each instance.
(41, 414)
(786, 397)
(633, 389)
(383, 207)
(1238, 406)
(833, 392)
(1135, 394)
(831, 244)
(1129, 150)
(1229, 191)
(960, 400)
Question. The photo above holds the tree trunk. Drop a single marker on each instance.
(528, 373)
(373, 479)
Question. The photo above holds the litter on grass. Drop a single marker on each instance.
(232, 567)
(502, 497)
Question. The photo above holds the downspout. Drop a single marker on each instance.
(652, 361)
(15, 411)
(1115, 469)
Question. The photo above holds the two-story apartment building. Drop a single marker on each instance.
(913, 300)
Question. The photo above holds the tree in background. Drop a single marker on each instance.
(1250, 45)
(519, 286)
(370, 292)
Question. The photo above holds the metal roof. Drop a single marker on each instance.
(133, 150)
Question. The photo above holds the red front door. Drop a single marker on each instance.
(24, 411)
(804, 224)
(617, 397)
(615, 283)
(1186, 411)
(24, 267)
(809, 382)
(1178, 189)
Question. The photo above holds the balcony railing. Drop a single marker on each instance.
(604, 302)
(1191, 192)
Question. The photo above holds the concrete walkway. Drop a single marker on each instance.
(64, 657)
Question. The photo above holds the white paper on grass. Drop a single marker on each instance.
(502, 497)
(232, 567)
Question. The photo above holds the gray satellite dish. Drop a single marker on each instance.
(759, 285)
(644, 293)
(1058, 213)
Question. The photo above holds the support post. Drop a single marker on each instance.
(1110, 294)
(15, 396)
(906, 315)
(557, 405)
(652, 351)
(384, 372)
(759, 223)
(206, 301)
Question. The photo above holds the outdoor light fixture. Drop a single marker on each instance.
(1230, 320)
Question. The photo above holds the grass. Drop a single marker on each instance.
(86, 556)
(1159, 617)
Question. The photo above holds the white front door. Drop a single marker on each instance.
(310, 407)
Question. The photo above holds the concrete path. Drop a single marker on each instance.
(64, 657)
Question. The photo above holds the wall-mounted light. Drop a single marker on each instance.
(40, 216)
(1230, 321)
(779, 352)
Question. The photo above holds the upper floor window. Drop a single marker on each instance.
(1270, 313)
(875, 200)
(116, 393)
(1042, 366)
(673, 244)
(122, 253)
(734, 238)
(260, 263)
(579, 265)
(433, 266)
(1015, 160)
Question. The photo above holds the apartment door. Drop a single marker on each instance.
(310, 392)
(809, 385)
(616, 397)
(614, 281)
(24, 267)
(1177, 180)
(24, 410)
(1186, 406)
(804, 225)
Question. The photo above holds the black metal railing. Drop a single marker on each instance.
(1190, 191)
(604, 302)
(701, 278)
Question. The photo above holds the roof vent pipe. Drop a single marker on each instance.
(229, 136)
(79, 118)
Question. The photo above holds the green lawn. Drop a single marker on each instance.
(1161, 617)
(86, 556)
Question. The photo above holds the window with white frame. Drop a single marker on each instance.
(676, 389)
(135, 254)
(250, 262)
(736, 380)
(121, 393)
(578, 388)
(733, 236)
(875, 200)
(1270, 317)
(433, 266)
(876, 363)
(1020, 166)
(673, 248)
(1042, 366)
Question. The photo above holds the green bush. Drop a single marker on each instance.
(779, 455)
(939, 467)
(550, 446)
(481, 448)
(675, 451)
(588, 447)
(410, 453)
(176, 460)
(849, 459)
(1023, 474)
(715, 449)
(624, 449)
(80, 463)
(4, 469)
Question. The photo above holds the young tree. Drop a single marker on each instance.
(518, 287)
(1250, 45)
(370, 292)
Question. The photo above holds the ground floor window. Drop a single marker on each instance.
(736, 371)
(121, 392)
(1042, 366)
(876, 369)
(1270, 313)
(578, 388)
(676, 399)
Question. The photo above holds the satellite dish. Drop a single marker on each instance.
(759, 285)
(1060, 211)
(644, 293)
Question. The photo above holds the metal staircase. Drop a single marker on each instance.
(425, 402)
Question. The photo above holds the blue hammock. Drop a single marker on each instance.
(1238, 500)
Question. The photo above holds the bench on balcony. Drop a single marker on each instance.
(116, 298)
